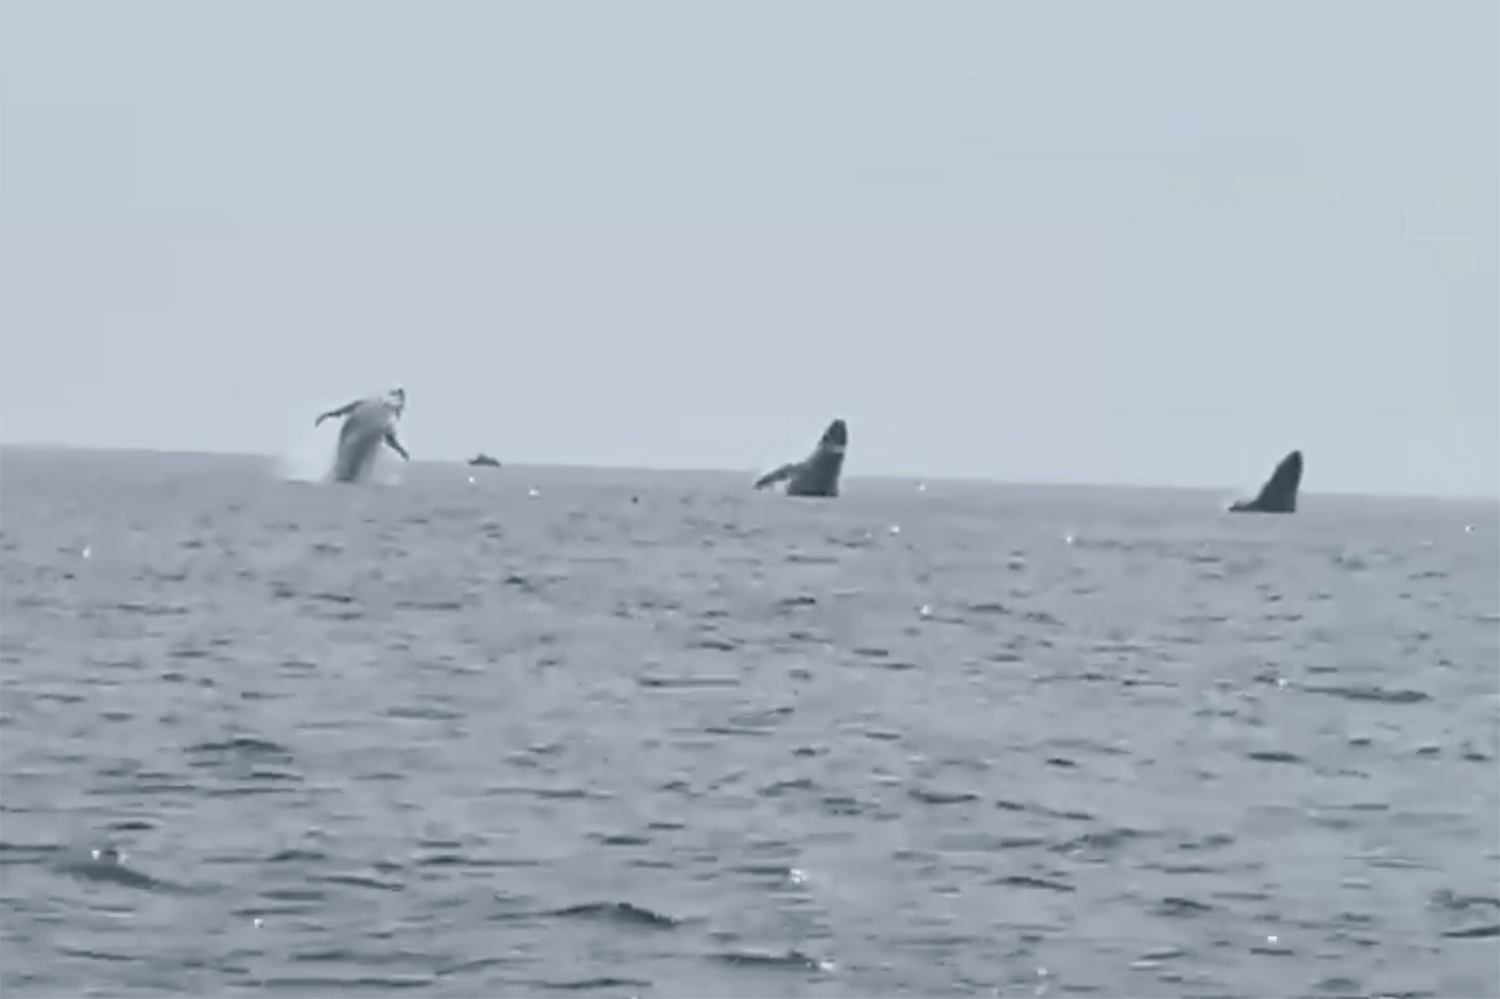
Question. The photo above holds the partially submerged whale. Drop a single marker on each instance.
(1279, 494)
(367, 423)
(818, 473)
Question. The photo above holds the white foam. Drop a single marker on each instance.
(312, 457)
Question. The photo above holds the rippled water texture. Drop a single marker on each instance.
(660, 735)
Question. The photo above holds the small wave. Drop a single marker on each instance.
(1177, 906)
(360, 881)
(241, 745)
(676, 682)
(589, 984)
(1371, 693)
(789, 959)
(935, 796)
(345, 986)
(1474, 932)
(627, 913)
(1274, 756)
(1027, 881)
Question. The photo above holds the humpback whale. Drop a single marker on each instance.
(367, 423)
(1279, 494)
(818, 473)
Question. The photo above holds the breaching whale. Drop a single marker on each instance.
(818, 473)
(1279, 494)
(367, 422)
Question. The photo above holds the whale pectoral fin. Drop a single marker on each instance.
(776, 475)
(395, 445)
(335, 413)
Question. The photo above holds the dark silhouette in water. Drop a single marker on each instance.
(483, 460)
(1279, 494)
(818, 473)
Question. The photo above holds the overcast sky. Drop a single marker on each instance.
(1155, 243)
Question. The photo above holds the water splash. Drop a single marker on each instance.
(311, 459)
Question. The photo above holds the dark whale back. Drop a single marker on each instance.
(1279, 494)
(819, 474)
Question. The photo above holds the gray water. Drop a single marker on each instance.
(660, 735)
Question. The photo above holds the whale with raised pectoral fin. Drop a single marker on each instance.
(818, 473)
(368, 423)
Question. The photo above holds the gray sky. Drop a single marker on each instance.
(1156, 243)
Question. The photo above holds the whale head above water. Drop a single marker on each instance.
(835, 438)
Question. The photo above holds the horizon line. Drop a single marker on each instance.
(675, 470)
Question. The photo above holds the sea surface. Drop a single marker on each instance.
(601, 733)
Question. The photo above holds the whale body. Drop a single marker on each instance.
(367, 424)
(1279, 494)
(817, 474)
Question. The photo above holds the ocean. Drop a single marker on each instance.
(620, 733)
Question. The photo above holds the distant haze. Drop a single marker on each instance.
(1062, 242)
